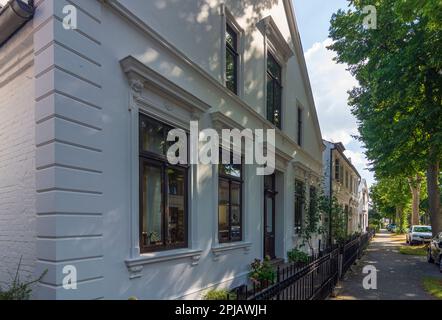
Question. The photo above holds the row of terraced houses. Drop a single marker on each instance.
(84, 116)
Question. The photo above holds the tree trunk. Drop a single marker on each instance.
(434, 196)
(399, 218)
(415, 187)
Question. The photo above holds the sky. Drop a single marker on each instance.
(330, 81)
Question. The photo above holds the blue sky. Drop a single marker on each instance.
(313, 18)
(330, 81)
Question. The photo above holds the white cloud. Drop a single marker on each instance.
(330, 84)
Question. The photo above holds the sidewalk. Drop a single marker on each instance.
(399, 276)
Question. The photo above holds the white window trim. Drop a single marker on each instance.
(219, 122)
(227, 18)
(144, 80)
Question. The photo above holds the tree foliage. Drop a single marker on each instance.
(398, 103)
(392, 198)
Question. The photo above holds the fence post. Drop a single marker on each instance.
(277, 281)
(340, 260)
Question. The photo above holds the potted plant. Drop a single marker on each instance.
(262, 273)
(297, 257)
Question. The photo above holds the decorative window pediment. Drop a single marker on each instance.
(275, 40)
(163, 97)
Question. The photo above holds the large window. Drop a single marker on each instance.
(337, 170)
(299, 204)
(300, 124)
(274, 91)
(231, 59)
(313, 203)
(230, 202)
(163, 191)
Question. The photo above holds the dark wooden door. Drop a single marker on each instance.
(269, 216)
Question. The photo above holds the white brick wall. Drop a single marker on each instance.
(17, 175)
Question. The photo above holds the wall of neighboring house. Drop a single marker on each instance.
(87, 152)
(363, 204)
(17, 157)
(347, 196)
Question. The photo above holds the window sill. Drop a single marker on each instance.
(225, 247)
(135, 265)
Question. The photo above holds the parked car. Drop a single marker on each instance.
(419, 234)
(391, 227)
(434, 253)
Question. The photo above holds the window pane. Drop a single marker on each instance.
(231, 38)
(273, 67)
(233, 170)
(236, 223)
(223, 191)
(152, 206)
(231, 71)
(223, 211)
(299, 126)
(277, 106)
(152, 136)
(236, 194)
(270, 99)
(176, 219)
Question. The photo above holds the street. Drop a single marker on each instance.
(399, 276)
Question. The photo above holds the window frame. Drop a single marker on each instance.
(276, 81)
(337, 170)
(300, 115)
(155, 159)
(234, 51)
(231, 180)
(228, 20)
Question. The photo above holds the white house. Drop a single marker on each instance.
(341, 181)
(84, 113)
(364, 200)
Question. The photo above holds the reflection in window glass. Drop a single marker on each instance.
(274, 91)
(152, 199)
(163, 191)
(231, 60)
(223, 211)
(152, 136)
(230, 202)
(176, 204)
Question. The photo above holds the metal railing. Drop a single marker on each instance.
(313, 280)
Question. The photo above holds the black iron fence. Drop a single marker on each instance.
(314, 280)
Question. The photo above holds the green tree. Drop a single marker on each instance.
(398, 102)
(391, 196)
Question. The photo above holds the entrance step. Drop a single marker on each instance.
(277, 262)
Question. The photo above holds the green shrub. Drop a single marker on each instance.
(262, 271)
(19, 290)
(374, 226)
(297, 256)
(221, 294)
